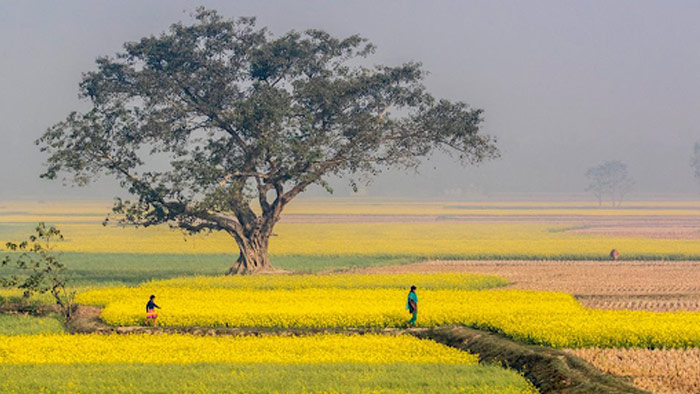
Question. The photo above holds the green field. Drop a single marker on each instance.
(260, 378)
(99, 269)
(28, 325)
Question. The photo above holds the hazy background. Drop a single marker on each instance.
(565, 85)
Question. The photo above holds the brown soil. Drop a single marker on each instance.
(655, 232)
(663, 371)
(656, 286)
(577, 222)
(86, 319)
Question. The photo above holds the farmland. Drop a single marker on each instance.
(658, 286)
(261, 378)
(242, 364)
(24, 325)
(401, 231)
(656, 370)
(534, 273)
(179, 349)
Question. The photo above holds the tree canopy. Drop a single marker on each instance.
(201, 121)
(609, 179)
(36, 267)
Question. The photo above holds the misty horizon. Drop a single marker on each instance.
(564, 86)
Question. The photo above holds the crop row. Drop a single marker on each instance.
(188, 349)
(549, 318)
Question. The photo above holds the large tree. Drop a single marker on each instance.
(217, 125)
(609, 179)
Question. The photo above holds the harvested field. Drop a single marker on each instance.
(659, 303)
(578, 222)
(673, 371)
(656, 232)
(651, 286)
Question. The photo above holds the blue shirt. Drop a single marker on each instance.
(151, 306)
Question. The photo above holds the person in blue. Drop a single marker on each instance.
(151, 315)
(412, 306)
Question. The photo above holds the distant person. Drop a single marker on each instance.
(614, 254)
(151, 315)
(412, 306)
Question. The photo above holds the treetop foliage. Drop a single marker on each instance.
(206, 116)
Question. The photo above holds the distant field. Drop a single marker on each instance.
(430, 239)
(100, 269)
(396, 230)
(12, 211)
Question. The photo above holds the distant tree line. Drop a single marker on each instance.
(695, 161)
(609, 181)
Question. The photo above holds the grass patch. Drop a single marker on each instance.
(261, 378)
(13, 324)
(313, 264)
(94, 269)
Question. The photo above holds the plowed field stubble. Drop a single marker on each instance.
(662, 371)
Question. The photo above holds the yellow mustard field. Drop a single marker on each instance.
(90, 210)
(187, 349)
(80, 222)
(549, 318)
(424, 239)
(345, 281)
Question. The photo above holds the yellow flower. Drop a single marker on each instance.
(550, 318)
(188, 349)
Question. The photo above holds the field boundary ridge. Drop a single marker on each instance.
(550, 370)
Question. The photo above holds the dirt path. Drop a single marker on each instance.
(654, 285)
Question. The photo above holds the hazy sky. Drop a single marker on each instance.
(565, 84)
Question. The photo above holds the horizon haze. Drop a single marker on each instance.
(564, 85)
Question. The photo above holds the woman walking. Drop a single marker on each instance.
(412, 306)
(151, 315)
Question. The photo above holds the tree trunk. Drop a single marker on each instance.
(253, 256)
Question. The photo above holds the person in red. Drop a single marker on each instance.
(151, 315)
(614, 254)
